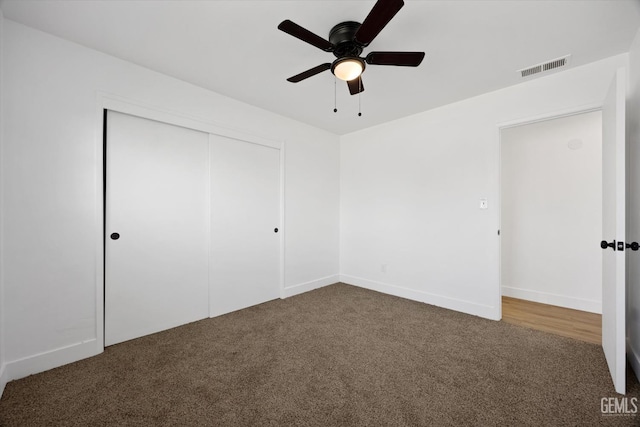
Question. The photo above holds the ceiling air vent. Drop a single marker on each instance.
(547, 66)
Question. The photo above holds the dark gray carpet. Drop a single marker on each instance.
(339, 355)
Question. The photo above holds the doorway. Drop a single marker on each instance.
(551, 216)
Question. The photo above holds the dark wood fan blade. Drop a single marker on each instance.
(383, 11)
(403, 59)
(311, 72)
(355, 86)
(305, 35)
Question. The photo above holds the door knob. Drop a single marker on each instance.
(115, 236)
(634, 246)
(605, 245)
(275, 230)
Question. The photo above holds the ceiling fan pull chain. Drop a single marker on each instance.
(359, 97)
(335, 96)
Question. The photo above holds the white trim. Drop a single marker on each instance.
(50, 359)
(152, 112)
(634, 358)
(574, 303)
(3, 321)
(468, 307)
(309, 286)
(282, 220)
(3, 378)
(209, 224)
(566, 112)
(497, 300)
(100, 230)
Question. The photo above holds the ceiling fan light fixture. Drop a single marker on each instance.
(348, 68)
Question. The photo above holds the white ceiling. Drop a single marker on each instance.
(234, 47)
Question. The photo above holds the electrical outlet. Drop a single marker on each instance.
(484, 204)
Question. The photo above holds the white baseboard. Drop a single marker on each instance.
(41, 362)
(309, 286)
(3, 378)
(468, 307)
(553, 299)
(634, 358)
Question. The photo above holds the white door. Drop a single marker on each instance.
(157, 185)
(613, 229)
(245, 210)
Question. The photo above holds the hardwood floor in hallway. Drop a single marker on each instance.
(580, 325)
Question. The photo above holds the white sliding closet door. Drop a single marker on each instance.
(157, 201)
(245, 204)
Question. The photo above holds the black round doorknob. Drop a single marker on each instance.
(634, 246)
(275, 230)
(115, 236)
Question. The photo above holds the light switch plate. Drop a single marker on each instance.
(484, 204)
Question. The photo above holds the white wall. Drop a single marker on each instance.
(551, 211)
(52, 188)
(633, 206)
(410, 191)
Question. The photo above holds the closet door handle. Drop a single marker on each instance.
(634, 246)
(275, 230)
(115, 236)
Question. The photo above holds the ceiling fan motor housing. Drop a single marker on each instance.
(342, 36)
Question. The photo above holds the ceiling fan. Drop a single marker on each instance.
(347, 40)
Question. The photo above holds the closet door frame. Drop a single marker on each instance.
(127, 106)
